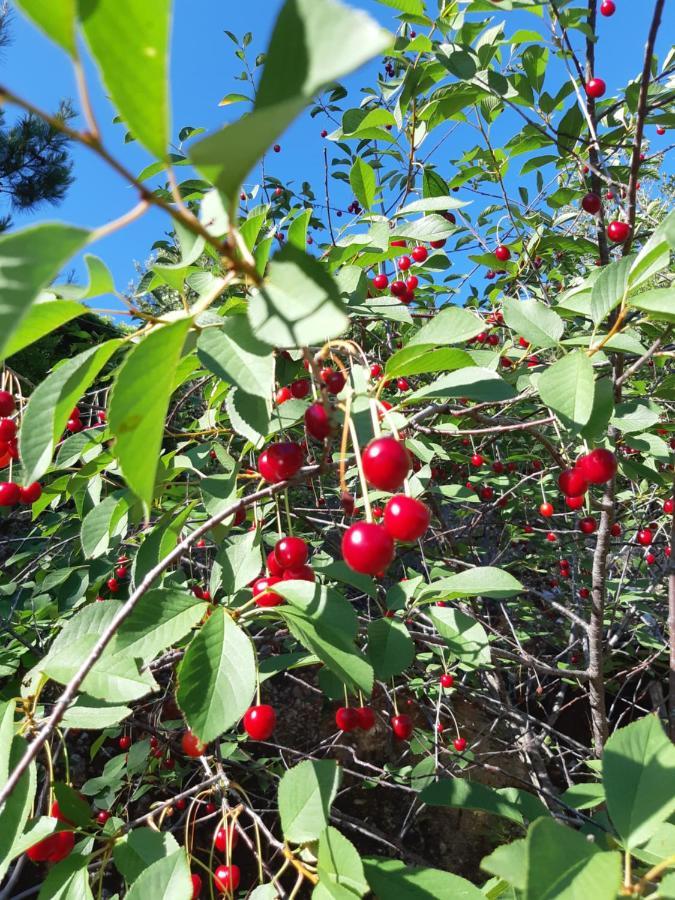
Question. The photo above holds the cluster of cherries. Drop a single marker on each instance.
(11, 493)
(286, 562)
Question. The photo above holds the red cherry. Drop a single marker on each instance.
(281, 461)
(386, 463)
(335, 382)
(7, 405)
(645, 537)
(124, 742)
(459, 744)
(404, 263)
(402, 384)
(486, 493)
(551, 538)
(169, 763)
(380, 282)
(196, 885)
(113, 585)
(30, 494)
(317, 421)
(402, 726)
(447, 681)
(7, 430)
(607, 8)
(366, 717)
(273, 566)
(265, 597)
(502, 253)
(498, 467)
(668, 507)
(221, 839)
(375, 370)
(591, 203)
(660, 130)
(53, 848)
(572, 483)
(398, 288)
(259, 721)
(74, 426)
(277, 148)
(367, 548)
(291, 552)
(347, 718)
(411, 283)
(419, 254)
(574, 502)
(397, 243)
(650, 559)
(302, 573)
(103, 817)
(191, 744)
(477, 460)
(226, 878)
(300, 388)
(282, 395)
(210, 808)
(438, 244)
(596, 88)
(405, 518)
(588, 525)
(598, 466)
(615, 530)
(378, 512)
(121, 572)
(618, 232)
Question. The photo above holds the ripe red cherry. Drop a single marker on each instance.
(191, 744)
(618, 232)
(607, 8)
(103, 817)
(502, 253)
(259, 721)
(447, 680)
(30, 494)
(366, 717)
(660, 130)
(476, 460)
(402, 726)
(596, 88)
(10, 493)
(74, 425)
(7, 405)
(282, 395)
(281, 461)
(335, 382)
(367, 548)
(386, 463)
(404, 263)
(221, 839)
(347, 718)
(615, 530)
(419, 254)
(227, 878)
(317, 421)
(572, 483)
(551, 538)
(273, 566)
(380, 282)
(411, 283)
(398, 288)
(598, 466)
(459, 744)
(121, 572)
(644, 537)
(402, 384)
(301, 573)
(588, 525)
(265, 597)
(375, 370)
(113, 585)
(438, 244)
(53, 848)
(591, 203)
(196, 885)
(668, 507)
(405, 518)
(300, 388)
(486, 493)
(650, 559)
(124, 742)
(498, 467)
(291, 552)
(574, 502)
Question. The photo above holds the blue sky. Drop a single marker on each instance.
(203, 70)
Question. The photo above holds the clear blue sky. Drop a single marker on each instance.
(204, 69)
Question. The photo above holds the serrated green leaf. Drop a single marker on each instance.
(658, 304)
(459, 793)
(306, 793)
(390, 648)
(362, 181)
(610, 288)
(42, 317)
(449, 326)
(57, 20)
(235, 354)
(538, 324)
(140, 848)
(465, 637)
(392, 878)
(339, 864)
(168, 878)
(249, 415)
(568, 387)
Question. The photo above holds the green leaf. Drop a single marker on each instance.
(428, 228)
(234, 354)
(654, 255)
(15, 811)
(667, 887)
(299, 303)
(73, 807)
(609, 289)
(57, 20)
(91, 714)
(249, 416)
(390, 647)
(306, 793)
(6, 737)
(430, 204)
(134, 64)
(449, 326)
(538, 324)
(314, 43)
(459, 793)
(160, 619)
(50, 404)
(239, 561)
(168, 878)
(217, 677)
(391, 878)
(563, 865)
(140, 848)
(96, 527)
(339, 864)
(297, 230)
(481, 581)
(508, 862)
(411, 7)
(474, 382)
(638, 762)
(43, 317)
(30, 259)
(584, 796)
(362, 181)
(416, 360)
(68, 880)
(568, 387)
(658, 304)
(138, 404)
(465, 637)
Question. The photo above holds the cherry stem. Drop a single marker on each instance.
(362, 474)
(289, 522)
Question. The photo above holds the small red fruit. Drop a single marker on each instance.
(405, 518)
(398, 288)
(411, 283)
(551, 538)
(502, 253)
(419, 254)
(380, 282)
(386, 463)
(572, 483)
(113, 585)
(447, 680)
(225, 837)
(335, 382)
(259, 721)
(618, 232)
(282, 395)
(598, 467)
(30, 494)
(404, 263)
(546, 510)
(596, 88)
(459, 744)
(375, 370)
(121, 572)
(644, 537)
(591, 203)
(264, 597)
(103, 817)
(7, 405)
(124, 742)
(366, 717)
(402, 726)
(367, 548)
(300, 388)
(588, 525)
(226, 878)
(615, 530)
(273, 566)
(650, 559)
(301, 573)
(607, 8)
(347, 718)
(317, 421)
(668, 507)
(191, 744)
(291, 552)
(574, 502)
(280, 461)
(660, 130)
(196, 885)
(402, 384)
